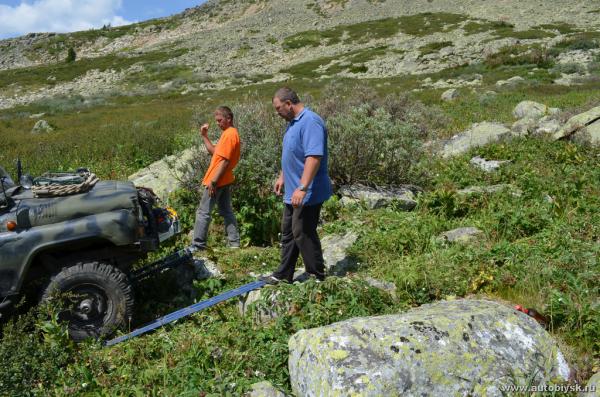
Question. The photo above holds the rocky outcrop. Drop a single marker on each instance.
(478, 135)
(463, 347)
(163, 176)
(450, 95)
(403, 197)
(585, 125)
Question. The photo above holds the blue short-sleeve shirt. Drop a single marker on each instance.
(306, 135)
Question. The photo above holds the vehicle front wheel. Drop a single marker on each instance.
(94, 298)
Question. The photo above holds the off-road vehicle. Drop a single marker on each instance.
(80, 243)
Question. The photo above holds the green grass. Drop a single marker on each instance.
(62, 72)
(335, 64)
(418, 25)
(434, 47)
(501, 29)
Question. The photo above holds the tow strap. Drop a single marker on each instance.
(196, 307)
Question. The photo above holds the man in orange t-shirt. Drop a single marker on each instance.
(218, 179)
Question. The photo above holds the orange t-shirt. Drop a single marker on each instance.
(227, 148)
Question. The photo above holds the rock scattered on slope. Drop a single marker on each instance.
(335, 247)
(462, 347)
(478, 135)
(577, 124)
(404, 197)
(489, 189)
(41, 126)
(461, 235)
(450, 95)
(487, 165)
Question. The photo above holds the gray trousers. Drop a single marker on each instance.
(223, 200)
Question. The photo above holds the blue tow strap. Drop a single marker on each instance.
(186, 311)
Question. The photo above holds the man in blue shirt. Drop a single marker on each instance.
(306, 185)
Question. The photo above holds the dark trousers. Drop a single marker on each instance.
(299, 237)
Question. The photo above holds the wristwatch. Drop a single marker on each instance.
(302, 188)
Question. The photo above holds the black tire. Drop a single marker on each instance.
(96, 298)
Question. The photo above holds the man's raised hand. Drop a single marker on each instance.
(204, 129)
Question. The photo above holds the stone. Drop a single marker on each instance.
(449, 348)
(524, 126)
(402, 196)
(489, 190)
(478, 135)
(205, 268)
(461, 235)
(547, 125)
(577, 122)
(264, 389)
(163, 176)
(386, 286)
(513, 81)
(37, 115)
(487, 165)
(41, 126)
(450, 95)
(592, 133)
(530, 109)
(334, 246)
(593, 387)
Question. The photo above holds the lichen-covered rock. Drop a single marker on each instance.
(487, 165)
(593, 387)
(205, 268)
(450, 95)
(163, 176)
(490, 189)
(402, 196)
(337, 261)
(461, 235)
(264, 389)
(530, 110)
(578, 122)
(524, 126)
(450, 348)
(512, 82)
(41, 126)
(478, 135)
(547, 125)
(591, 133)
(386, 286)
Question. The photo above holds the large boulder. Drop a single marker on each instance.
(163, 176)
(478, 135)
(450, 348)
(593, 387)
(578, 122)
(402, 196)
(591, 133)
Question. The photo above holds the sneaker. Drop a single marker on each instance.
(271, 280)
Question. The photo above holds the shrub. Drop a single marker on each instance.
(71, 55)
(368, 146)
(520, 55)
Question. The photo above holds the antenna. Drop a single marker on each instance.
(19, 170)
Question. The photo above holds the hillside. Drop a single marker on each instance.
(231, 44)
(394, 81)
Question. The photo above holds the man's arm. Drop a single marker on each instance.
(204, 133)
(311, 166)
(279, 184)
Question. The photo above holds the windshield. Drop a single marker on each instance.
(8, 182)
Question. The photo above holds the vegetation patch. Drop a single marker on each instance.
(64, 72)
(434, 47)
(562, 27)
(578, 41)
(418, 25)
(501, 29)
(336, 64)
(521, 55)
